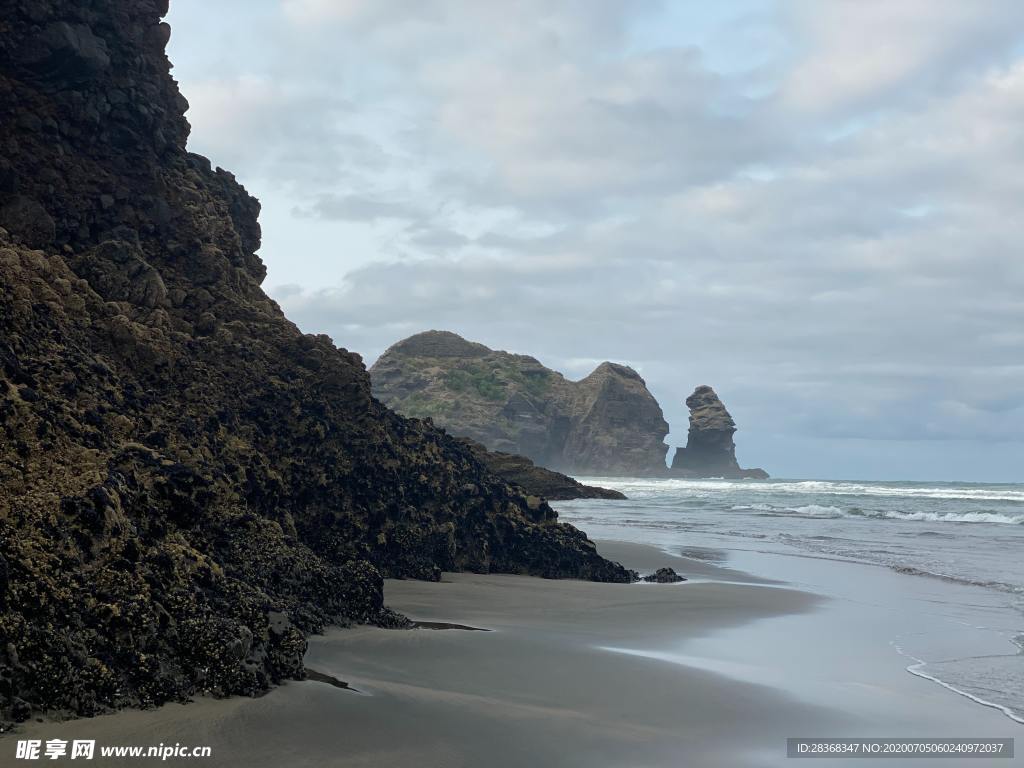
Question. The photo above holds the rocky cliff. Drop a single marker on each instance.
(537, 481)
(189, 484)
(710, 450)
(605, 424)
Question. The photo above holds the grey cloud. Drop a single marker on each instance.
(864, 55)
(357, 208)
(438, 239)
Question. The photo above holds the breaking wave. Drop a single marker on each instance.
(819, 510)
(952, 517)
(951, 491)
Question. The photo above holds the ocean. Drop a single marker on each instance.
(967, 636)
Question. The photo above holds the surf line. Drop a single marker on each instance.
(916, 670)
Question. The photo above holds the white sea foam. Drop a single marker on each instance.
(819, 510)
(827, 487)
(811, 510)
(953, 517)
(917, 669)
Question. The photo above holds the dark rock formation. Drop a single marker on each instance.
(664, 576)
(605, 424)
(188, 484)
(537, 481)
(710, 450)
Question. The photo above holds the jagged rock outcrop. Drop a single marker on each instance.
(605, 424)
(188, 484)
(537, 481)
(710, 450)
(663, 576)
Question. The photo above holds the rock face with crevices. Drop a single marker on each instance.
(605, 424)
(538, 481)
(663, 576)
(188, 484)
(710, 450)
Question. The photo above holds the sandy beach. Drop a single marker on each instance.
(569, 674)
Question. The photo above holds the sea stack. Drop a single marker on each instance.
(710, 450)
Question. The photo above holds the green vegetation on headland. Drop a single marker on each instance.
(486, 381)
(605, 424)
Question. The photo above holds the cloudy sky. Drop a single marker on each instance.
(815, 207)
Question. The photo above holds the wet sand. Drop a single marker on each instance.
(542, 687)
